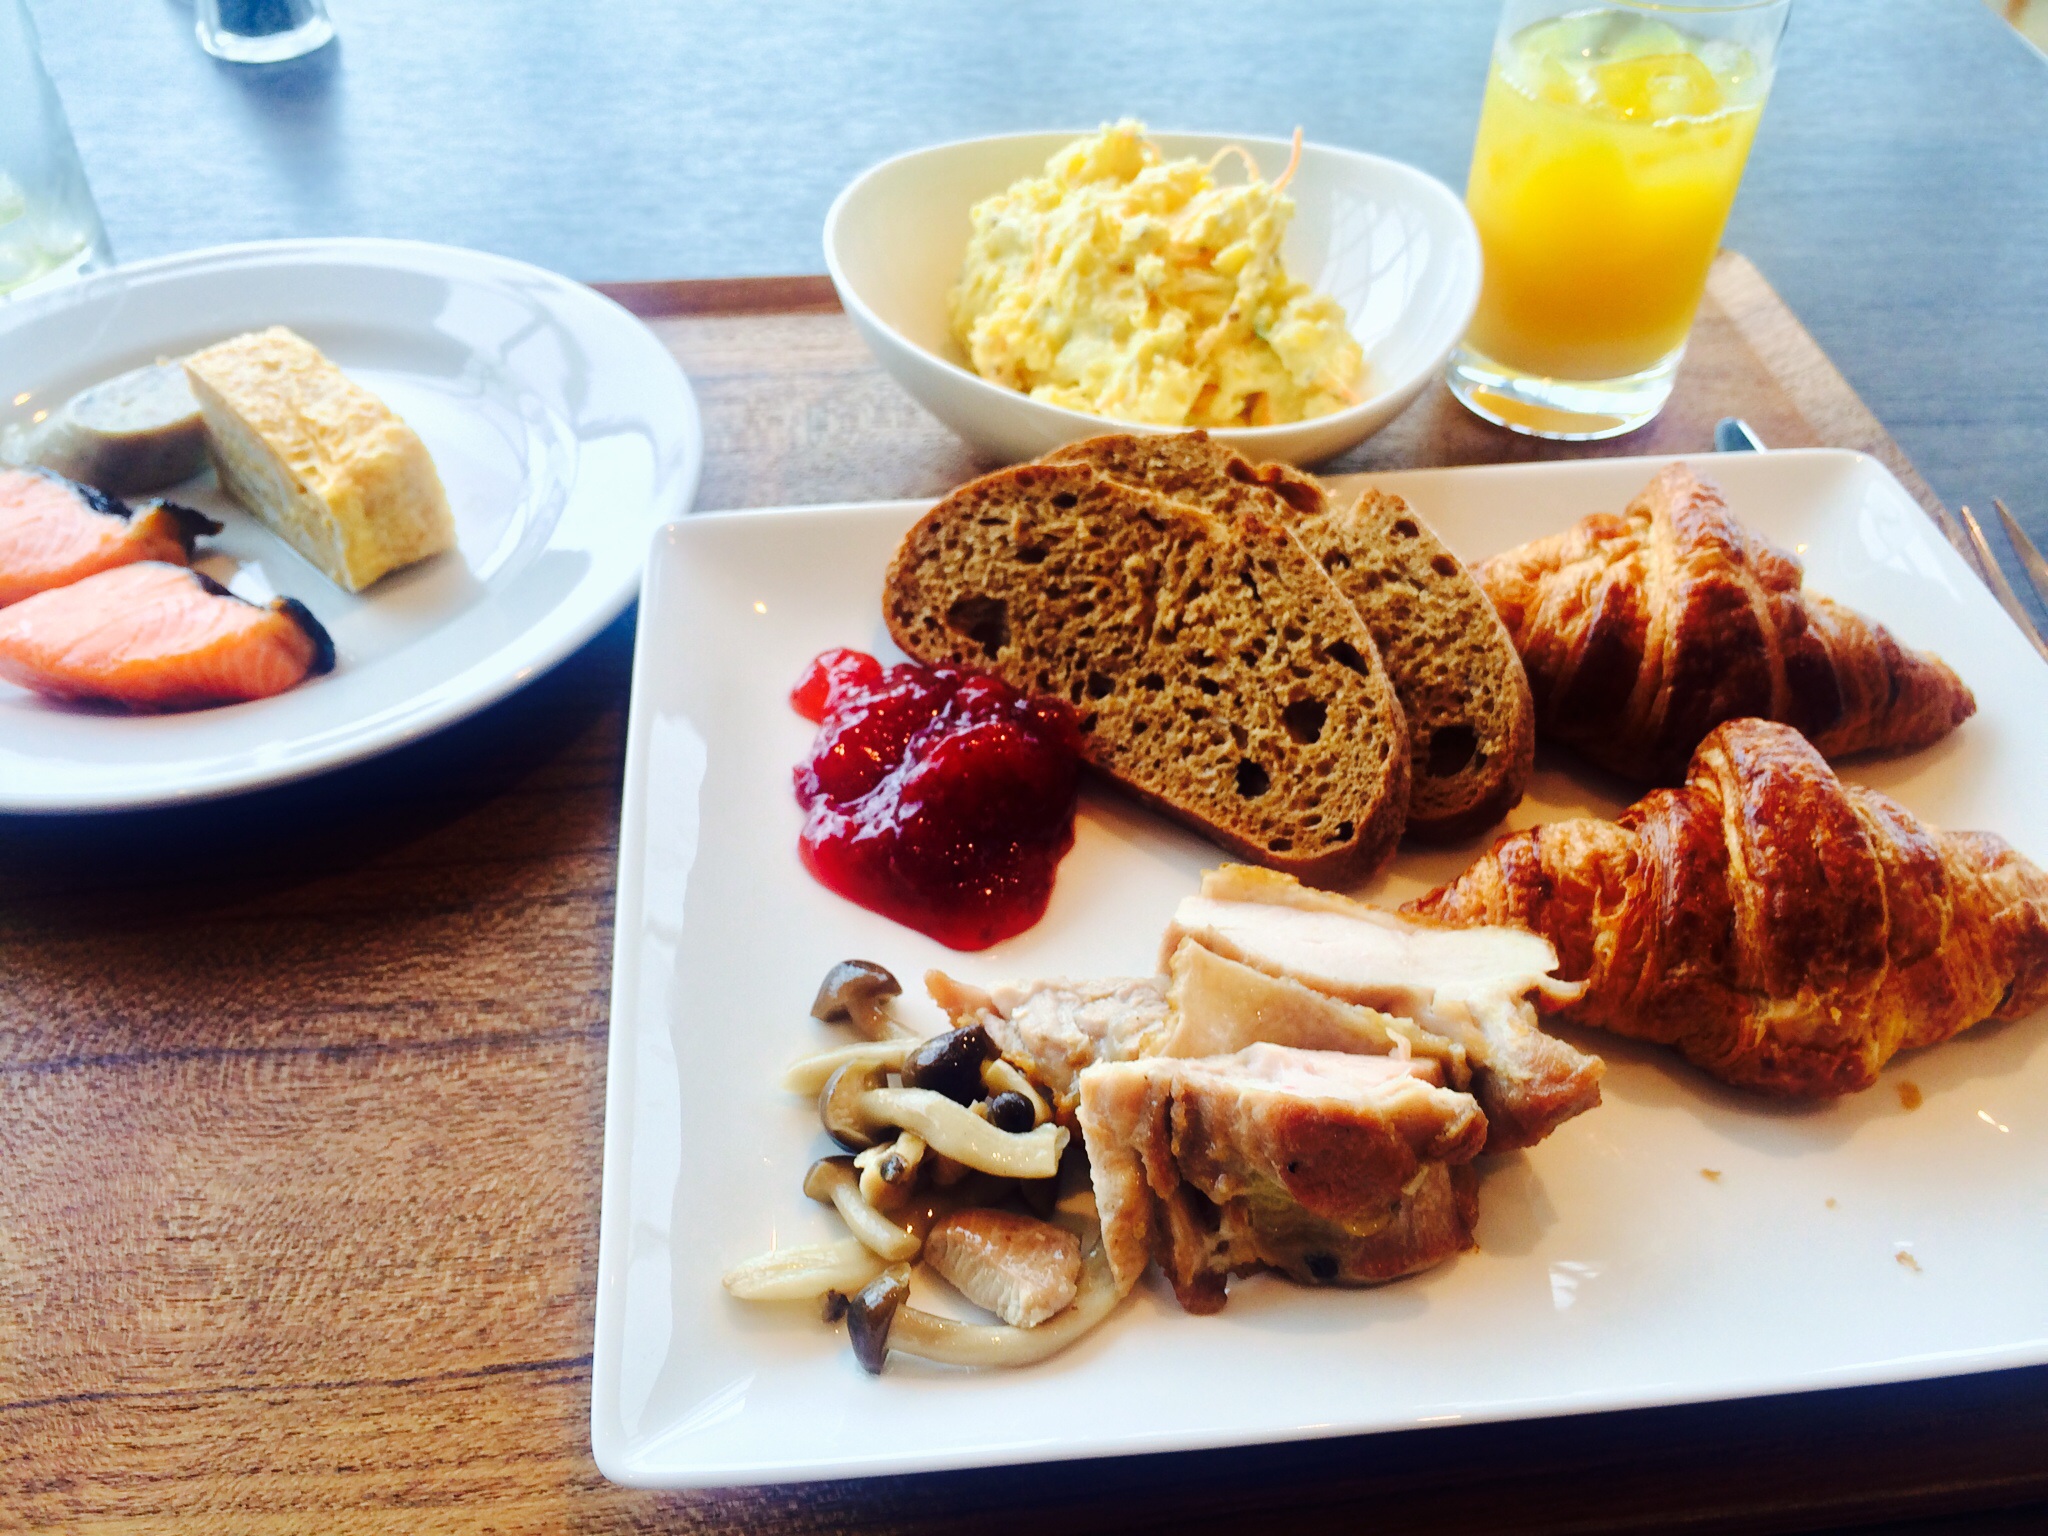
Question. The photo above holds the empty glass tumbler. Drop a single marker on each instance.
(262, 31)
(49, 226)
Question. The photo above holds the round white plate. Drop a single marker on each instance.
(562, 429)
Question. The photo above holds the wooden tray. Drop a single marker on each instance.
(797, 412)
(301, 1113)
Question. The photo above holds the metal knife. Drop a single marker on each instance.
(1734, 435)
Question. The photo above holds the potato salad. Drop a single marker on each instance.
(1143, 289)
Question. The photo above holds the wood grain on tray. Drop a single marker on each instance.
(796, 412)
(301, 1108)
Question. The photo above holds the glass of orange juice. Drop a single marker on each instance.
(1610, 144)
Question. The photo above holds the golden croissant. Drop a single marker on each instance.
(1644, 631)
(1784, 930)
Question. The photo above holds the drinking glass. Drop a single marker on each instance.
(262, 31)
(50, 229)
(1611, 141)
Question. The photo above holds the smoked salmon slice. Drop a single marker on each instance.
(156, 636)
(55, 531)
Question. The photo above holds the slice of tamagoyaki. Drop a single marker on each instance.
(319, 458)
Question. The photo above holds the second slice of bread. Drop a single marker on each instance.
(1217, 671)
(1471, 719)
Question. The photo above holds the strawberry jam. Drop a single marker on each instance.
(936, 796)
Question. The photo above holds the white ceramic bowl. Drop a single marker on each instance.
(1394, 246)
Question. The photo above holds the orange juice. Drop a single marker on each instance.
(1610, 145)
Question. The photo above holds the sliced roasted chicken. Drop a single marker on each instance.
(1204, 1006)
(1023, 1270)
(1221, 1006)
(1332, 1168)
(1052, 1029)
(1471, 986)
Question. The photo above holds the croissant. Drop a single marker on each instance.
(1786, 931)
(1643, 632)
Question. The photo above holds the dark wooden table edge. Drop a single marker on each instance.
(1633, 1449)
(800, 293)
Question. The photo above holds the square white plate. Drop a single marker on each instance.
(1841, 1243)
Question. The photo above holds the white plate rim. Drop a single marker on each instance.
(495, 677)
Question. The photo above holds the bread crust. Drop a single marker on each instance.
(1471, 716)
(1273, 730)
(1453, 662)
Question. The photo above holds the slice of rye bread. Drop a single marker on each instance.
(1193, 466)
(1217, 671)
(1471, 720)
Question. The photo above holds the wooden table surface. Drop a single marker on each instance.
(301, 1117)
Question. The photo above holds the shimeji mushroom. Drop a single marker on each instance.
(1001, 1076)
(857, 1110)
(951, 1063)
(834, 1181)
(871, 1311)
(1008, 1112)
(879, 1320)
(807, 1074)
(857, 992)
(804, 1274)
(888, 1171)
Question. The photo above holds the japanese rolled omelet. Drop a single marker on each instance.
(1139, 288)
(332, 469)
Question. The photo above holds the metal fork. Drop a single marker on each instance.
(1994, 574)
(1734, 435)
(2031, 560)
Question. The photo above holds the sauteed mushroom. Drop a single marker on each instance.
(871, 1310)
(842, 1105)
(800, 1274)
(857, 992)
(965, 1134)
(1001, 1076)
(888, 1172)
(856, 1109)
(807, 1074)
(833, 1181)
(931, 1337)
(1010, 1112)
(879, 1320)
(951, 1063)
